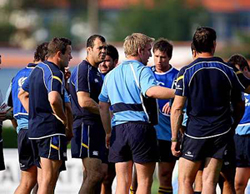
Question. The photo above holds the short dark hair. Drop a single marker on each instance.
(112, 52)
(203, 39)
(91, 39)
(163, 45)
(58, 44)
(240, 60)
(41, 52)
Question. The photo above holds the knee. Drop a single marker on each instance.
(239, 186)
(95, 177)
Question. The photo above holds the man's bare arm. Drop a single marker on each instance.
(69, 115)
(24, 98)
(106, 120)
(88, 103)
(176, 121)
(160, 92)
(56, 104)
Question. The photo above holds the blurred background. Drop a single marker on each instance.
(26, 23)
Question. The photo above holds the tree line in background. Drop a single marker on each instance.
(25, 23)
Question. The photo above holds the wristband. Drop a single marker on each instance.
(174, 140)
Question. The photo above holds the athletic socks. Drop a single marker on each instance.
(132, 191)
(197, 192)
(165, 190)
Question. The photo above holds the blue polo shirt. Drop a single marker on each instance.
(165, 79)
(45, 78)
(86, 78)
(209, 85)
(123, 87)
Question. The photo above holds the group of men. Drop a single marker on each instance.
(110, 115)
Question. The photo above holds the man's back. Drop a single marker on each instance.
(124, 86)
(210, 85)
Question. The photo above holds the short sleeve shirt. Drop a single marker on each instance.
(45, 78)
(88, 79)
(210, 86)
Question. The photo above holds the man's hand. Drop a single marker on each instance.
(166, 109)
(108, 135)
(69, 134)
(175, 148)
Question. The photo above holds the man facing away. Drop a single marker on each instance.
(88, 142)
(209, 85)
(165, 75)
(48, 123)
(133, 137)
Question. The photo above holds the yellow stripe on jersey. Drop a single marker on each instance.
(55, 77)
(238, 72)
(179, 78)
(84, 145)
(53, 146)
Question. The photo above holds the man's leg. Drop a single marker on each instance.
(187, 173)
(198, 182)
(93, 175)
(165, 171)
(28, 181)
(210, 175)
(241, 179)
(50, 170)
(134, 183)
(145, 177)
(226, 179)
(124, 176)
(108, 179)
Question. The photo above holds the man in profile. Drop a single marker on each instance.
(42, 95)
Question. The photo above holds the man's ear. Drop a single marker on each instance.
(140, 51)
(88, 49)
(116, 62)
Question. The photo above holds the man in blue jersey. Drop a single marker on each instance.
(48, 124)
(209, 85)
(106, 66)
(88, 142)
(133, 139)
(242, 136)
(26, 159)
(165, 75)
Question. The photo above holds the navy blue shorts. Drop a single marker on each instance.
(26, 158)
(242, 145)
(89, 142)
(2, 166)
(54, 148)
(199, 149)
(229, 159)
(165, 153)
(133, 141)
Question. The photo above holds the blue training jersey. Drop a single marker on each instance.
(166, 79)
(244, 126)
(20, 114)
(123, 87)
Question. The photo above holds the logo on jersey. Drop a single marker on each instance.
(160, 83)
(21, 81)
(95, 153)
